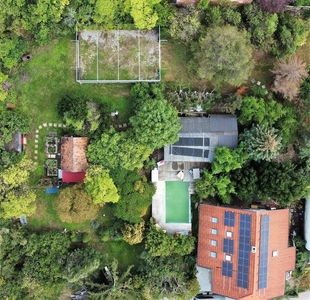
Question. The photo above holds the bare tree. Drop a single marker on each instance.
(290, 73)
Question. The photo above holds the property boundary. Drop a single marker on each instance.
(157, 77)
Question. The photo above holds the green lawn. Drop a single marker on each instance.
(49, 75)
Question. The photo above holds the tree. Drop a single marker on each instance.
(159, 243)
(283, 182)
(261, 142)
(143, 12)
(156, 123)
(118, 150)
(259, 111)
(185, 25)
(99, 185)
(80, 264)
(171, 277)
(245, 182)
(18, 203)
(226, 159)
(116, 286)
(75, 206)
(133, 233)
(274, 6)
(289, 75)
(218, 58)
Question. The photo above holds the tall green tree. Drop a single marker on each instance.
(219, 57)
(261, 142)
(118, 150)
(75, 206)
(156, 123)
(80, 264)
(160, 243)
(99, 185)
(283, 182)
(143, 12)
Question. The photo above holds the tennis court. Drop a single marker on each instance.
(177, 202)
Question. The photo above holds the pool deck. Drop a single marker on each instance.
(159, 211)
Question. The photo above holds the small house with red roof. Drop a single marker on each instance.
(246, 251)
(73, 158)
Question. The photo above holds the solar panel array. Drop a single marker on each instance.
(228, 246)
(229, 218)
(227, 268)
(244, 250)
(263, 252)
(188, 146)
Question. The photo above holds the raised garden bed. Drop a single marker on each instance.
(51, 167)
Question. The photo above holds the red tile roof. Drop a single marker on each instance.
(278, 241)
(73, 156)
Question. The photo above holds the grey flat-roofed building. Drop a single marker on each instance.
(199, 137)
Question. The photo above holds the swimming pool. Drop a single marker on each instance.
(177, 202)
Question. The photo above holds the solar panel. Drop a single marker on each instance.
(187, 141)
(228, 246)
(229, 218)
(227, 268)
(244, 250)
(263, 252)
(186, 151)
(207, 141)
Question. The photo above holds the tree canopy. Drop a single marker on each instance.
(99, 185)
(224, 55)
(75, 206)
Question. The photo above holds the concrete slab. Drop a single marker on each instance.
(44, 124)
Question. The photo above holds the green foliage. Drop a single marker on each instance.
(133, 233)
(11, 51)
(118, 150)
(245, 182)
(159, 243)
(167, 276)
(80, 264)
(218, 58)
(221, 15)
(283, 182)
(261, 142)
(291, 33)
(155, 124)
(257, 110)
(185, 25)
(100, 186)
(75, 206)
(261, 26)
(135, 195)
(226, 159)
(143, 12)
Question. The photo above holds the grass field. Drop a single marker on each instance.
(177, 202)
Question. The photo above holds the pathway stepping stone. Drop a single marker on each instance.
(35, 151)
(64, 125)
(36, 141)
(50, 124)
(59, 125)
(35, 157)
(36, 163)
(55, 124)
(36, 146)
(40, 127)
(37, 136)
(37, 131)
(44, 124)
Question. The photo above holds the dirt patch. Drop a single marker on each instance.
(119, 54)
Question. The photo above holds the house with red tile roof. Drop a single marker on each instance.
(247, 251)
(73, 158)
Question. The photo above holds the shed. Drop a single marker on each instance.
(199, 136)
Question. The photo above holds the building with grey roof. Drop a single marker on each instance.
(199, 137)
